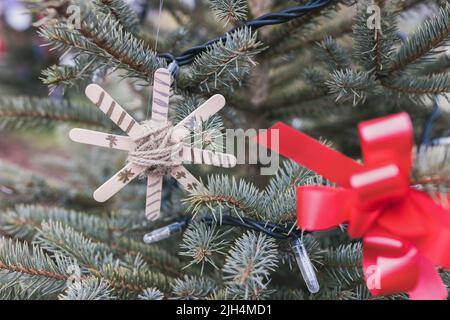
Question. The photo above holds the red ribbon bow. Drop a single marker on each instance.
(405, 233)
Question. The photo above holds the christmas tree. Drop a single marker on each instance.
(321, 66)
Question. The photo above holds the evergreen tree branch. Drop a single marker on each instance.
(88, 289)
(348, 85)
(225, 63)
(24, 112)
(229, 10)
(25, 221)
(201, 242)
(433, 33)
(248, 265)
(32, 267)
(421, 85)
(121, 12)
(99, 40)
(193, 288)
(226, 194)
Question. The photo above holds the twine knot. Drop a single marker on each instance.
(156, 151)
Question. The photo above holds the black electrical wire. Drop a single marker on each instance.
(271, 229)
(283, 16)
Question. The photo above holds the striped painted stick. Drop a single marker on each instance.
(114, 111)
(161, 95)
(153, 200)
(200, 156)
(160, 111)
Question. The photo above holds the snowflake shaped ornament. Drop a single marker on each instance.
(160, 105)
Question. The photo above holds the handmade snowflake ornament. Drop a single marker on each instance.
(155, 147)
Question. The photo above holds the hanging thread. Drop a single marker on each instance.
(158, 27)
(161, 5)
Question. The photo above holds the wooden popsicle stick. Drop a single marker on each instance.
(153, 201)
(117, 182)
(199, 115)
(101, 139)
(186, 179)
(200, 156)
(161, 95)
(113, 110)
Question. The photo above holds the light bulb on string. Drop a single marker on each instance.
(164, 232)
(305, 265)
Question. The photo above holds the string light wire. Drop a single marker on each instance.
(268, 19)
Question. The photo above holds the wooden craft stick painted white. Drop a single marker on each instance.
(200, 156)
(113, 110)
(186, 179)
(117, 182)
(161, 95)
(199, 115)
(153, 201)
(101, 139)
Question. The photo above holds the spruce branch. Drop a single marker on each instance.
(88, 289)
(316, 78)
(67, 76)
(292, 95)
(433, 33)
(151, 294)
(107, 40)
(279, 196)
(226, 193)
(58, 239)
(24, 222)
(126, 277)
(229, 10)
(350, 85)
(33, 268)
(120, 10)
(62, 76)
(290, 70)
(193, 288)
(17, 292)
(344, 265)
(359, 292)
(225, 63)
(131, 282)
(24, 112)
(440, 65)
(29, 187)
(200, 242)
(249, 263)
(420, 85)
(334, 54)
